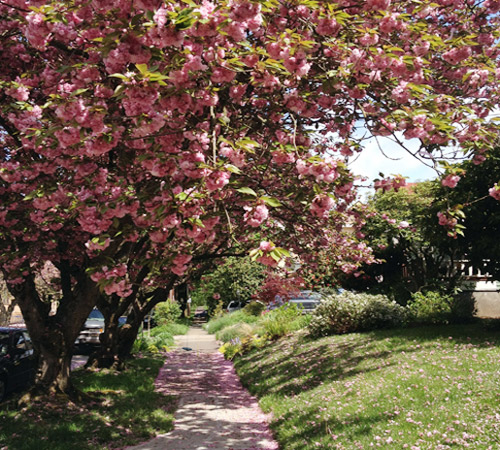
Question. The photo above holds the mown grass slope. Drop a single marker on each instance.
(417, 388)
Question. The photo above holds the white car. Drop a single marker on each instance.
(234, 305)
(305, 300)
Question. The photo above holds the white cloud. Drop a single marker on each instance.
(390, 159)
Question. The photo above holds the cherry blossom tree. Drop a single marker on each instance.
(140, 137)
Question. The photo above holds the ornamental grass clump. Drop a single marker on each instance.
(227, 320)
(238, 330)
(349, 312)
(281, 321)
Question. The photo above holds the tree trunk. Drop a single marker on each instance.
(118, 341)
(105, 355)
(53, 336)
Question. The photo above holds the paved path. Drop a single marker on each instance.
(215, 412)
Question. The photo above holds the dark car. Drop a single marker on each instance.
(18, 364)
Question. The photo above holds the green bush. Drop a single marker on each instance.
(429, 308)
(159, 338)
(167, 312)
(254, 308)
(281, 321)
(349, 312)
(436, 308)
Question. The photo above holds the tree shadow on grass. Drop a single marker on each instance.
(128, 411)
(305, 363)
(310, 429)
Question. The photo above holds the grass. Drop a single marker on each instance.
(227, 320)
(130, 411)
(417, 388)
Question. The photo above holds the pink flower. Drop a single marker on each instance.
(266, 246)
(457, 55)
(217, 180)
(255, 216)
(450, 181)
(327, 27)
(321, 206)
(495, 191)
(222, 75)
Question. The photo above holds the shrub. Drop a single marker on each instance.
(254, 308)
(436, 308)
(429, 308)
(159, 338)
(232, 348)
(348, 312)
(282, 320)
(167, 312)
(218, 311)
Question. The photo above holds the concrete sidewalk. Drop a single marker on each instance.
(215, 412)
(198, 340)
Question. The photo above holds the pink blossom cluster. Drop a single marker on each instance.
(450, 180)
(256, 215)
(180, 263)
(447, 220)
(113, 280)
(323, 171)
(386, 184)
(495, 191)
(321, 206)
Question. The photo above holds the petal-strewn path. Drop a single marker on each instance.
(215, 411)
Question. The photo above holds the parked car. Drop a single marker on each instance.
(202, 315)
(92, 329)
(305, 300)
(234, 305)
(18, 364)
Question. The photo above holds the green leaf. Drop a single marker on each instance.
(232, 169)
(247, 190)
(119, 75)
(271, 201)
(143, 68)
(284, 252)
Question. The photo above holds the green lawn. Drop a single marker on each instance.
(418, 388)
(129, 411)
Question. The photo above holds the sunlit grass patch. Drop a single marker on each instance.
(430, 388)
(127, 411)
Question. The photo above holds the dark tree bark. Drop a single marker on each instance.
(117, 341)
(53, 336)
